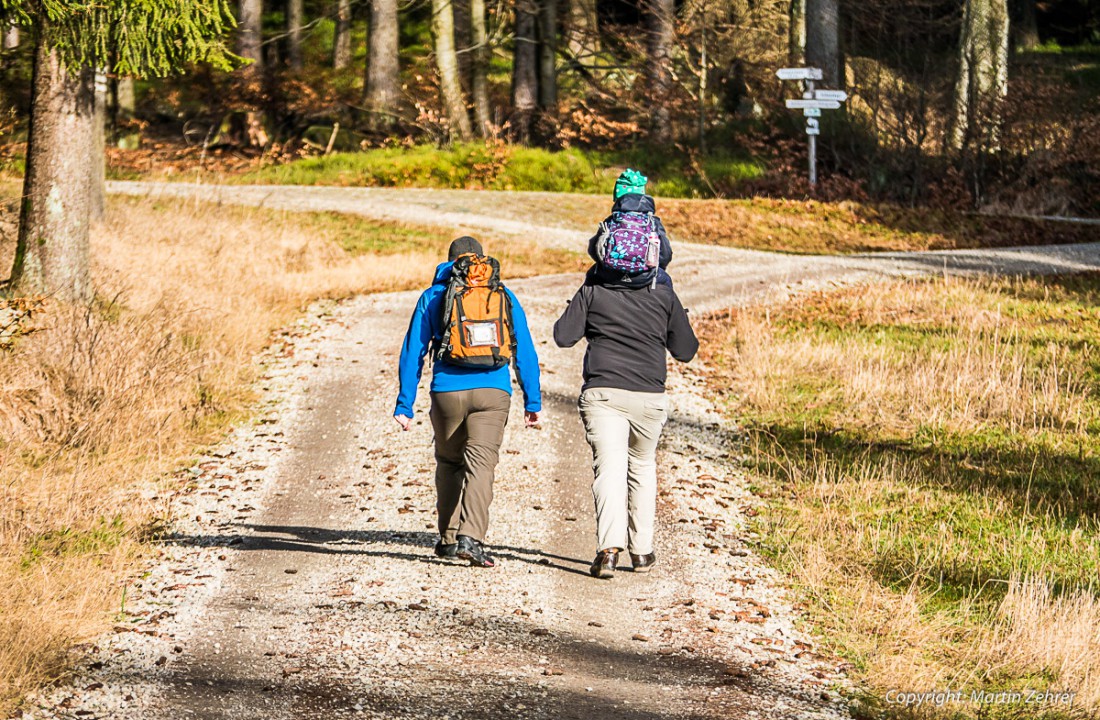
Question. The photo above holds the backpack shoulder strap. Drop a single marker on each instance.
(446, 318)
(511, 320)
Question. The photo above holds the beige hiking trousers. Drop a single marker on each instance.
(623, 428)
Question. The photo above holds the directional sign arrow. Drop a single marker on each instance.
(824, 104)
(798, 74)
(838, 95)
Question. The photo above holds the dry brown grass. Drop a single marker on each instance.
(104, 399)
(930, 448)
(977, 376)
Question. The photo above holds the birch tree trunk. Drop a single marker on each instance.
(823, 39)
(796, 34)
(525, 79)
(383, 86)
(341, 40)
(479, 82)
(548, 55)
(52, 253)
(450, 86)
(294, 33)
(982, 81)
(659, 16)
(250, 33)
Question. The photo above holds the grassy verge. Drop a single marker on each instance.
(929, 453)
(499, 166)
(97, 401)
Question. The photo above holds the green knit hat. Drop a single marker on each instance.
(631, 182)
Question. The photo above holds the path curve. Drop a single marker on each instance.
(299, 579)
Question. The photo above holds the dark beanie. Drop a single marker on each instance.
(462, 246)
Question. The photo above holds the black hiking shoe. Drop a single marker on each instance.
(446, 551)
(473, 551)
(643, 563)
(603, 566)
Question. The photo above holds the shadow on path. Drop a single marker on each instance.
(349, 542)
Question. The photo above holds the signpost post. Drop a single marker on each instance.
(812, 103)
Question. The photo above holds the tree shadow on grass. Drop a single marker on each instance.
(1033, 481)
(1056, 490)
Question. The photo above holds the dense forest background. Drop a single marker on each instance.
(985, 104)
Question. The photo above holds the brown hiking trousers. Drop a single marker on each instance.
(469, 427)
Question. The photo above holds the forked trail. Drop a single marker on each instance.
(300, 580)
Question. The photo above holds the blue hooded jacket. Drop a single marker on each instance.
(425, 326)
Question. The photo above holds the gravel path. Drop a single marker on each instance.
(300, 581)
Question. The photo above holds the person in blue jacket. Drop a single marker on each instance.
(469, 412)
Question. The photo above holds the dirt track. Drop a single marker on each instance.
(300, 581)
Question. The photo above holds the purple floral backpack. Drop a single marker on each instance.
(628, 242)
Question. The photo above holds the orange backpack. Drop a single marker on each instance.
(476, 328)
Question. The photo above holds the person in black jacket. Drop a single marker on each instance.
(624, 406)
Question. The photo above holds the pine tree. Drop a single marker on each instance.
(128, 37)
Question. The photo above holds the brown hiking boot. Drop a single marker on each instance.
(603, 566)
(643, 563)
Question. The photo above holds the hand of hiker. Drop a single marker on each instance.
(403, 421)
(531, 419)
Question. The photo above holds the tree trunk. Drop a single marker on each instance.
(122, 104)
(97, 188)
(479, 82)
(796, 34)
(823, 40)
(525, 79)
(548, 55)
(250, 33)
(982, 81)
(659, 16)
(294, 33)
(443, 28)
(383, 82)
(52, 254)
(1026, 24)
(582, 35)
(341, 41)
(464, 33)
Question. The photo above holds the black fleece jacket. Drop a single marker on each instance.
(628, 331)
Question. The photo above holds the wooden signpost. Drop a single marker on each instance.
(812, 103)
